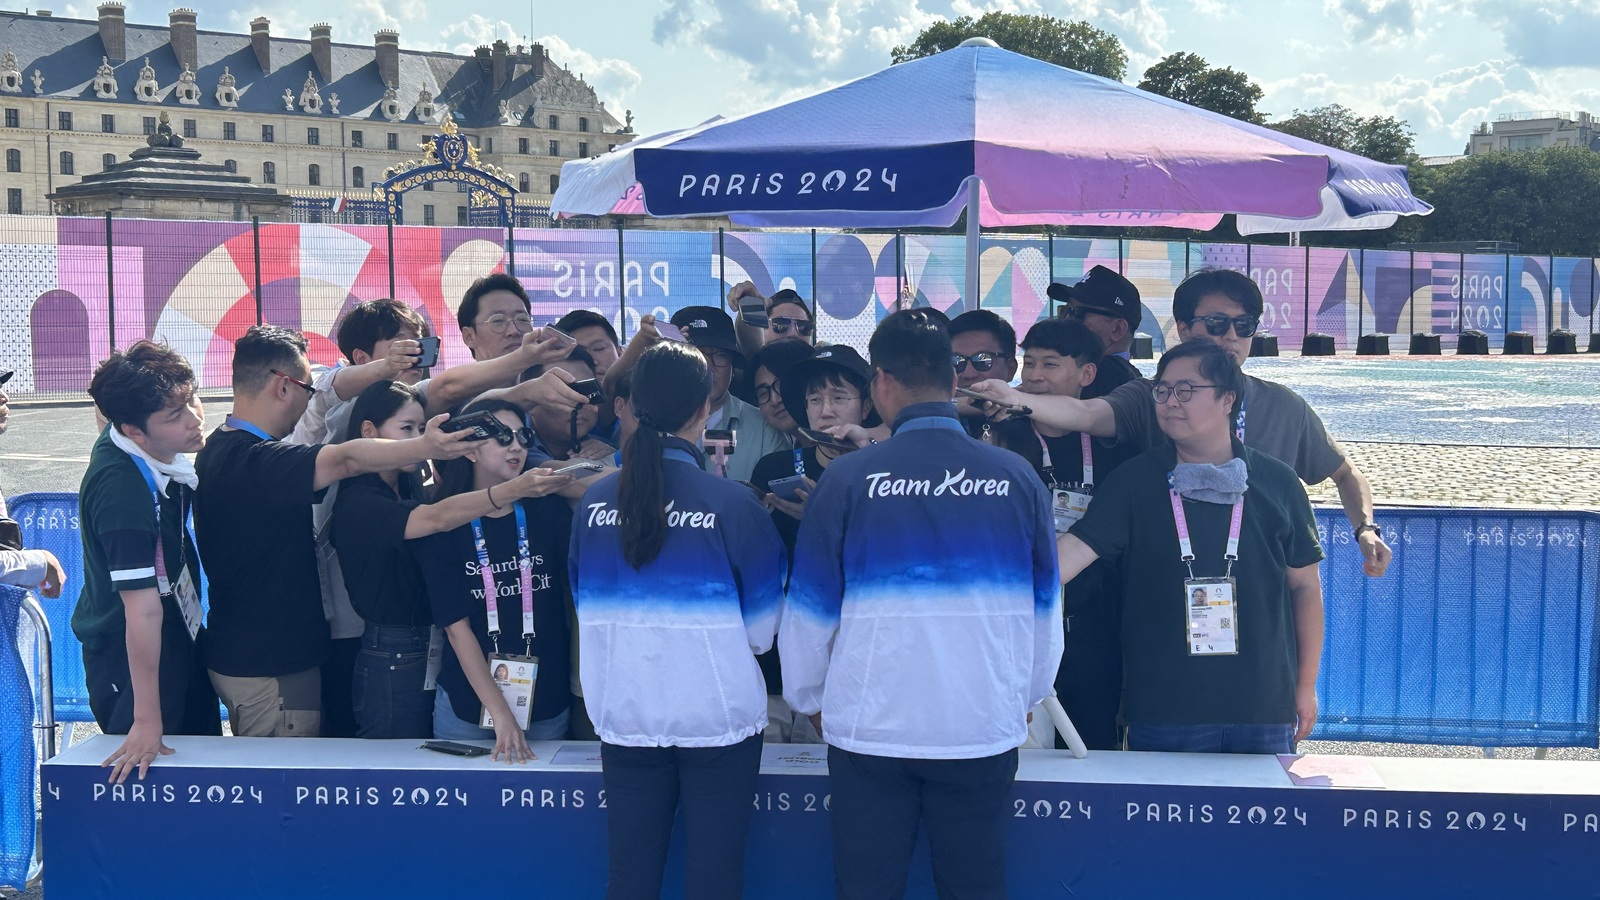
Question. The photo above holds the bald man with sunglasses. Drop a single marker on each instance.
(1224, 308)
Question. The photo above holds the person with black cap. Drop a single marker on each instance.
(788, 317)
(1109, 304)
(710, 330)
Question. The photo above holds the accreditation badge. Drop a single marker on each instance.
(188, 599)
(1212, 611)
(515, 676)
(430, 677)
(1069, 508)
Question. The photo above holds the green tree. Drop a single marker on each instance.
(1188, 78)
(1548, 201)
(1075, 45)
(1383, 138)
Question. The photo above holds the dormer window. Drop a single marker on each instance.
(105, 81)
(188, 92)
(10, 74)
(146, 88)
(227, 93)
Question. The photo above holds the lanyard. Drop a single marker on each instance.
(163, 582)
(1088, 460)
(799, 462)
(242, 425)
(1239, 427)
(491, 598)
(1186, 550)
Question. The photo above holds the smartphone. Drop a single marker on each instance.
(551, 329)
(824, 439)
(430, 353)
(753, 310)
(578, 466)
(787, 488)
(590, 387)
(670, 332)
(980, 400)
(455, 749)
(483, 425)
(719, 438)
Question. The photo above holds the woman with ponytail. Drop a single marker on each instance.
(677, 576)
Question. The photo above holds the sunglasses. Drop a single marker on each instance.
(982, 362)
(782, 324)
(1080, 313)
(1217, 325)
(295, 381)
(523, 436)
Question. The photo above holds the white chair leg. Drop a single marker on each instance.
(1069, 733)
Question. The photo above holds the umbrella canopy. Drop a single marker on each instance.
(1050, 145)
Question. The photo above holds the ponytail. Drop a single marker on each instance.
(670, 385)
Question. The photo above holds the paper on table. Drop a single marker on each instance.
(810, 757)
(584, 755)
(1331, 771)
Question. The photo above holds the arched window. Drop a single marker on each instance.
(314, 175)
(231, 166)
(107, 160)
(269, 173)
(13, 160)
(66, 162)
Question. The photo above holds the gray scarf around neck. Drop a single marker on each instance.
(1207, 483)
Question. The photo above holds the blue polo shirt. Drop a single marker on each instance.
(667, 653)
(924, 613)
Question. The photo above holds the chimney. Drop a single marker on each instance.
(482, 56)
(501, 48)
(180, 30)
(261, 42)
(386, 44)
(322, 49)
(537, 61)
(114, 30)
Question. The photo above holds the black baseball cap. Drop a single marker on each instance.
(792, 383)
(708, 328)
(1103, 291)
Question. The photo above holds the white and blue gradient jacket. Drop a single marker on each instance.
(924, 613)
(667, 653)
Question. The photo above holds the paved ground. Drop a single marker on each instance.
(46, 449)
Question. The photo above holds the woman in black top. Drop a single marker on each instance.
(373, 517)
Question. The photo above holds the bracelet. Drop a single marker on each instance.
(490, 492)
(1368, 526)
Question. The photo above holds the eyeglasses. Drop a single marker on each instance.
(295, 381)
(782, 324)
(720, 359)
(816, 401)
(982, 362)
(1217, 325)
(499, 322)
(765, 393)
(1183, 390)
(523, 436)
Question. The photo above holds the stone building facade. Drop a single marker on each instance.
(318, 119)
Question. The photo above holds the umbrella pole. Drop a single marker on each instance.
(971, 299)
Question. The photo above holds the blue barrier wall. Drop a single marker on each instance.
(49, 521)
(18, 772)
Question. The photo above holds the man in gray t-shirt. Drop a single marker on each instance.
(1224, 308)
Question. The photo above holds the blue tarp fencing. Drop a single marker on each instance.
(18, 763)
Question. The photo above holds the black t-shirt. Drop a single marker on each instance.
(449, 565)
(1131, 518)
(777, 466)
(380, 574)
(252, 520)
(1112, 372)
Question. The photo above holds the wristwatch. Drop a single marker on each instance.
(1368, 525)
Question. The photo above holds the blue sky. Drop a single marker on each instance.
(1443, 65)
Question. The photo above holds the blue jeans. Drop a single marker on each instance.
(1211, 738)
(386, 686)
(450, 727)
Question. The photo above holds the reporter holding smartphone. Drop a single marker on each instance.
(497, 585)
(678, 578)
(373, 517)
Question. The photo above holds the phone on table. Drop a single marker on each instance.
(789, 488)
(670, 332)
(455, 749)
(579, 466)
(590, 387)
(719, 439)
(824, 439)
(981, 400)
(483, 425)
(753, 310)
(430, 353)
(551, 329)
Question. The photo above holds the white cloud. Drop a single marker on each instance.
(613, 79)
(1383, 23)
(1550, 34)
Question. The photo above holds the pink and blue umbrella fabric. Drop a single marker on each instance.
(1048, 144)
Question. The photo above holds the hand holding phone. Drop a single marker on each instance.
(980, 401)
(483, 425)
(753, 309)
(824, 439)
(670, 332)
(590, 388)
(430, 353)
(578, 467)
(788, 488)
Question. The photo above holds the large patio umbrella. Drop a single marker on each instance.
(977, 127)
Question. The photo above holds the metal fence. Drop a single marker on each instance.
(73, 288)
